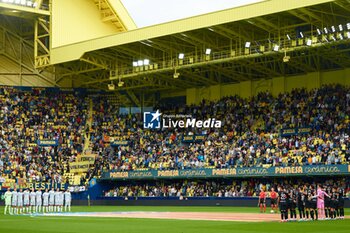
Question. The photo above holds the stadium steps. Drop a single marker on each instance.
(88, 125)
(114, 100)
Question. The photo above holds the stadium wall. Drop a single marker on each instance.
(174, 201)
(17, 62)
(13, 74)
(275, 86)
(238, 202)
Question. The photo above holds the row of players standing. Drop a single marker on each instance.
(26, 202)
(312, 204)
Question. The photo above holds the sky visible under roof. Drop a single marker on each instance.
(152, 12)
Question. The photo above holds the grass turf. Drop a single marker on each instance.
(26, 224)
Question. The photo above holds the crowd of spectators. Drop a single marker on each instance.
(250, 135)
(38, 114)
(216, 188)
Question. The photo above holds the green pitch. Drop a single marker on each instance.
(26, 224)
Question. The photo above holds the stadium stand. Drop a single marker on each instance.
(41, 132)
(251, 136)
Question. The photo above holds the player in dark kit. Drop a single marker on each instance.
(327, 202)
(341, 195)
(307, 196)
(282, 201)
(301, 203)
(314, 205)
(334, 203)
(292, 204)
(311, 203)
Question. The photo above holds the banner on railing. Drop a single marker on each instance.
(119, 143)
(47, 143)
(79, 167)
(115, 141)
(231, 172)
(29, 185)
(87, 158)
(193, 138)
(295, 131)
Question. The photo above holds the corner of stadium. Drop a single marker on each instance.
(236, 120)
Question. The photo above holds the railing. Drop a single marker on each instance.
(285, 44)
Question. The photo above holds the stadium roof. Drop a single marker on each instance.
(151, 12)
(307, 32)
(265, 25)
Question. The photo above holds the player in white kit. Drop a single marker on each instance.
(51, 200)
(57, 200)
(32, 201)
(46, 201)
(20, 201)
(7, 197)
(14, 201)
(38, 201)
(67, 200)
(26, 195)
(61, 201)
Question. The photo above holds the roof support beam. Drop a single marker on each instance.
(133, 98)
(311, 14)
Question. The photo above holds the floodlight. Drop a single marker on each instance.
(340, 27)
(319, 31)
(333, 29)
(140, 63)
(208, 51)
(146, 62)
(17, 1)
(340, 36)
(29, 3)
(288, 37)
(309, 42)
(181, 56)
(348, 26)
(276, 48)
(111, 87)
(325, 30)
(348, 35)
(333, 38)
(301, 34)
(120, 83)
(247, 44)
(286, 58)
(23, 2)
(134, 64)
